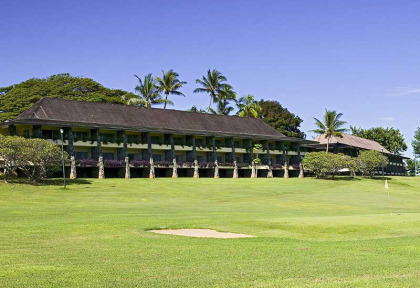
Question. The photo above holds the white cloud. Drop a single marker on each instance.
(404, 91)
(390, 118)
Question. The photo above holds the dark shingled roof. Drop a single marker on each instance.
(55, 111)
(353, 141)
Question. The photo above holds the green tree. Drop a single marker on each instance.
(370, 161)
(281, 119)
(169, 84)
(223, 98)
(416, 143)
(390, 138)
(211, 84)
(197, 110)
(413, 166)
(324, 164)
(17, 98)
(332, 126)
(36, 158)
(248, 107)
(148, 93)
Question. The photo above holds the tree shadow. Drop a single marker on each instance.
(48, 182)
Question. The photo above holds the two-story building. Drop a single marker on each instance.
(111, 137)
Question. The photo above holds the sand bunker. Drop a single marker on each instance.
(204, 233)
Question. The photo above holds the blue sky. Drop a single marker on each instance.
(361, 58)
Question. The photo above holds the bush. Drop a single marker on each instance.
(36, 158)
(369, 161)
(324, 164)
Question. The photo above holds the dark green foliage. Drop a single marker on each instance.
(413, 166)
(370, 161)
(36, 158)
(17, 98)
(416, 142)
(390, 138)
(324, 164)
(281, 119)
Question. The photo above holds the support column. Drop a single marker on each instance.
(152, 168)
(286, 163)
(73, 173)
(235, 169)
(254, 172)
(270, 168)
(235, 164)
(101, 174)
(216, 169)
(301, 172)
(127, 168)
(196, 174)
(174, 169)
(172, 143)
(70, 151)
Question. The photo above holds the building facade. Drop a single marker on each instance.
(351, 145)
(104, 140)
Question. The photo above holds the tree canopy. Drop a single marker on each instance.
(390, 138)
(17, 98)
(281, 119)
(332, 125)
(416, 142)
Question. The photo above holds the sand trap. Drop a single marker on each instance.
(204, 233)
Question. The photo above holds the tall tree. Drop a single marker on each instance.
(212, 83)
(332, 126)
(148, 93)
(416, 142)
(169, 84)
(281, 119)
(390, 138)
(248, 107)
(223, 98)
(17, 98)
(197, 110)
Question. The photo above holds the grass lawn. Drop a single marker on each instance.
(310, 233)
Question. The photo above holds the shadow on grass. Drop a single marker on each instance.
(48, 182)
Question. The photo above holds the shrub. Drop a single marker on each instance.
(324, 164)
(369, 161)
(139, 163)
(36, 158)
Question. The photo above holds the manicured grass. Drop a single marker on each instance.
(310, 233)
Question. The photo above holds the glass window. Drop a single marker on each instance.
(108, 156)
(107, 137)
(156, 140)
(157, 157)
(81, 155)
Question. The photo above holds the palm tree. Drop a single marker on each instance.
(148, 93)
(248, 107)
(169, 84)
(331, 126)
(211, 84)
(223, 97)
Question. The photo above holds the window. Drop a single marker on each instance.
(179, 158)
(108, 156)
(199, 142)
(237, 144)
(178, 141)
(25, 133)
(157, 157)
(218, 143)
(156, 140)
(80, 136)
(219, 159)
(81, 155)
(107, 137)
(133, 138)
(133, 157)
(200, 158)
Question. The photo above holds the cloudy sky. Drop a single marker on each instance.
(361, 58)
